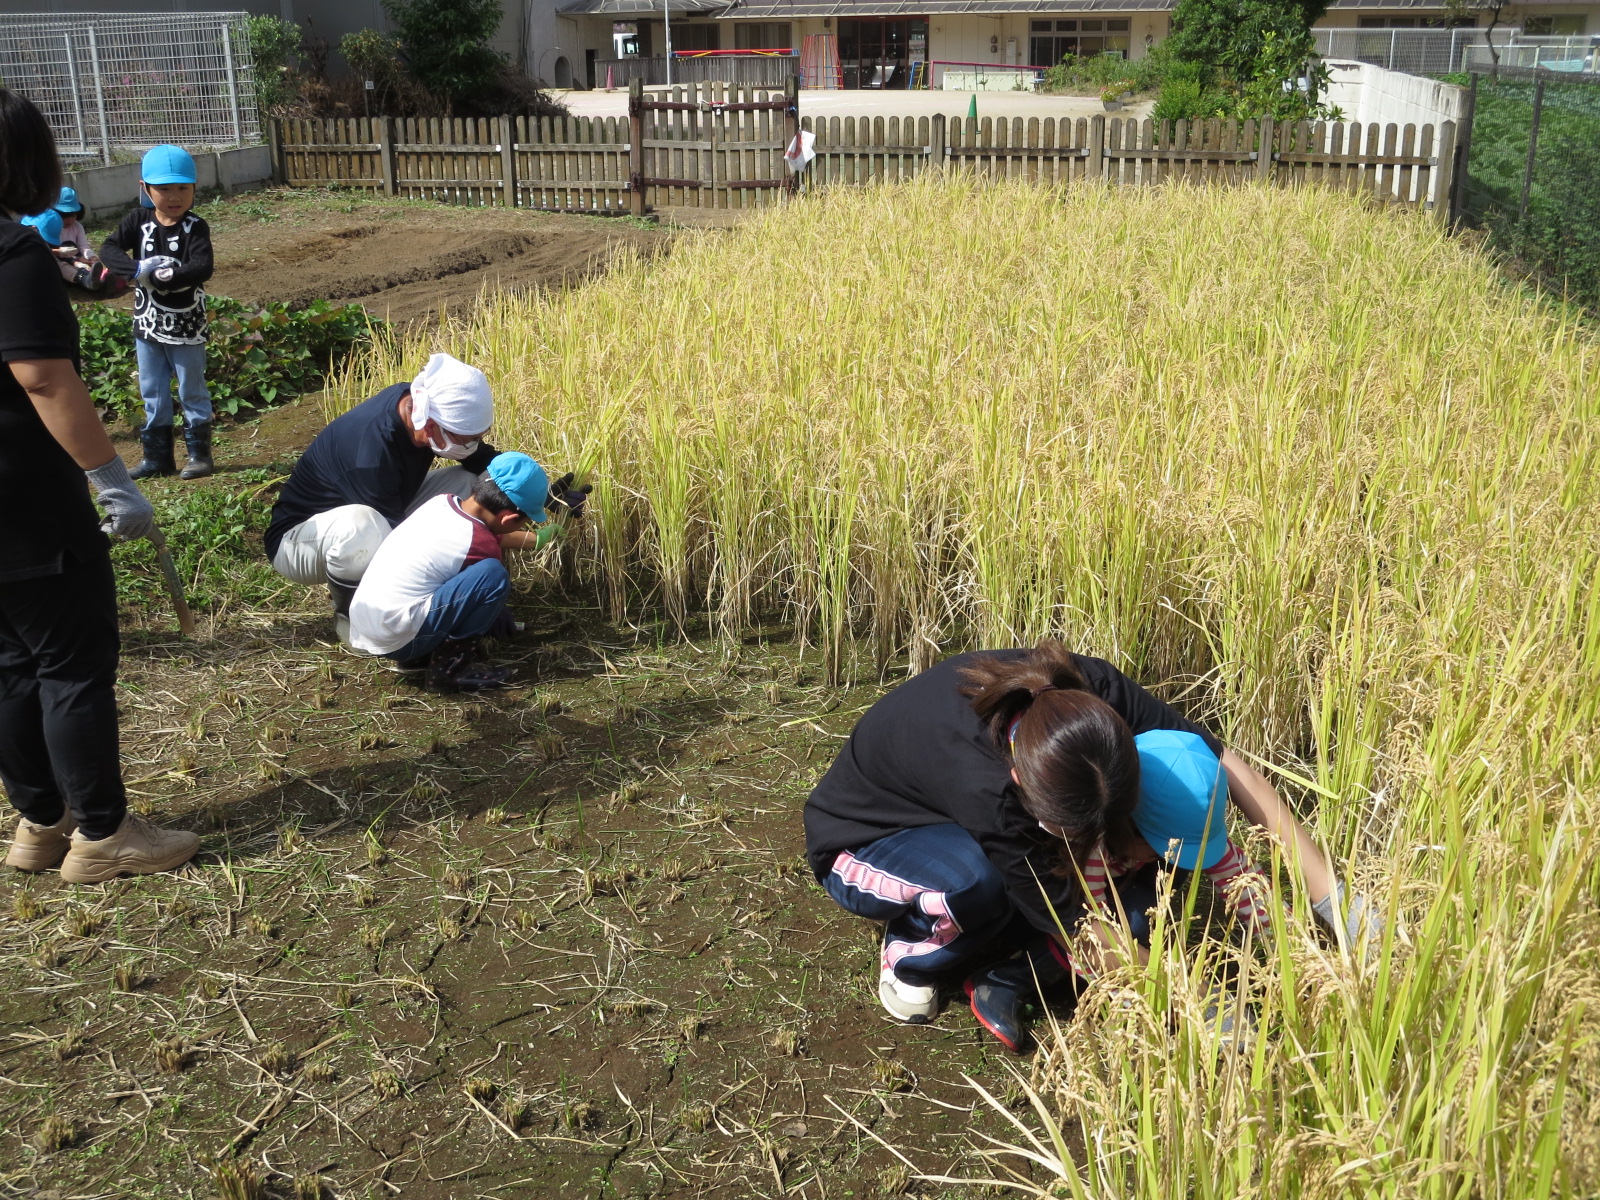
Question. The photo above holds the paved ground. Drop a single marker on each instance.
(891, 104)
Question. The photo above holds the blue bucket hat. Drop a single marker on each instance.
(68, 205)
(1183, 798)
(166, 164)
(524, 483)
(48, 223)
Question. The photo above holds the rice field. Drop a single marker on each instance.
(1309, 466)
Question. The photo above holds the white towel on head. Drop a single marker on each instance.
(452, 394)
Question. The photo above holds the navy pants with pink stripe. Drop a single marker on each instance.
(940, 897)
(943, 902)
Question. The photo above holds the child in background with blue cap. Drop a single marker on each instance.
(438, 583)
(166, 251)
(79, 263)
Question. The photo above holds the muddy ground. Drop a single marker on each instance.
(402, 260)
(554, 940)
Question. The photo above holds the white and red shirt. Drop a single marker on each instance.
(426, 550)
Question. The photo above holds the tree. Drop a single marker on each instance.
(1254, 51)
(273, 42)
(1469, 10)
(446, 45)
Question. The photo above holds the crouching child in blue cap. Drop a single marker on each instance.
(1005, 815)
(166, 250)
(438, 583)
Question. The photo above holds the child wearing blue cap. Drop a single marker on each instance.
(438, 583)
(166, 251)
(1026, 799)
(78, 262)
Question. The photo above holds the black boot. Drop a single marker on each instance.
(1000, 994)
(341, 593)
(451, 669)
(197, 437)
(157, 445)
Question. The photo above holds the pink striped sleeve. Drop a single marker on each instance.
(1246, 887)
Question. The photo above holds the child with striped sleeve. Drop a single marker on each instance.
(1017, 805)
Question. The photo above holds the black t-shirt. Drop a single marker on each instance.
(41, 489)
(173, 312)
(365, 457)
(921, 756)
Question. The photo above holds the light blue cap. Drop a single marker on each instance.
(1183, 798)
(69, 204)
(167, 164)
(524, 483)
(48, 223)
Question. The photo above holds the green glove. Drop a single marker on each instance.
(548, 532)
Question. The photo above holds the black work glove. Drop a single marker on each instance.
(566, 501)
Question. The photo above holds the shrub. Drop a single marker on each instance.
(273, 43)
(375, 55)
(1098, 72)
(256, 356)
(446, 46)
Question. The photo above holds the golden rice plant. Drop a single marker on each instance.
(1311, 465)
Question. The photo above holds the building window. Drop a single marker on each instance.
(1566, 25)
(696, 37)
(1051, 41)
(762, 35)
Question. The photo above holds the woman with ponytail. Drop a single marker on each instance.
(1020, 802)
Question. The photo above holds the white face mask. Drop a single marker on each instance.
(453, 450)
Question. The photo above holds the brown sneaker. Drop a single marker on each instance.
(41, 847)
(136, 848)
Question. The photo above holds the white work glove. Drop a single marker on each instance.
(128, 514)
(1359, 919)
(154, 265)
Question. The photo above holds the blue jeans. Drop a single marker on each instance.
(464, 607)
(944, 903)
(158, 363)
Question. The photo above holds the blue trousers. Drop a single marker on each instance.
(464, 607)
(158, 364)
(943, 903)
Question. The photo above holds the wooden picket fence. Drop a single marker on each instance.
(717, 146)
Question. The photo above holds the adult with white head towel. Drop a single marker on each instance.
(373, 466)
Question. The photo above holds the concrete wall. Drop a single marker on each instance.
(107, 191)
(1367, 93)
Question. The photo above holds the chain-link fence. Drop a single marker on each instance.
(1414, 51)
(109, 82)
(1532, 160)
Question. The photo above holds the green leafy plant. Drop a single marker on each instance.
(446, 45)
(375, 55)
(256, 357)
(273, 43)
(1099, 72)
(214, 537)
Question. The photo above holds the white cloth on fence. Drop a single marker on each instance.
(801, 151)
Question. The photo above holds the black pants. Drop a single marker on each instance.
(58, 704)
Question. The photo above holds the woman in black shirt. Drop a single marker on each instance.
(994, 802)
(58, 611)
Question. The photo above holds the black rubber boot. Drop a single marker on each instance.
(157, 445)
(452, 669)
(197, 438)
(1000, 995)
(341, 593)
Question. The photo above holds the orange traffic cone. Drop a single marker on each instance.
(610, 87)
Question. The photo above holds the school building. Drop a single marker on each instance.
(878, 43)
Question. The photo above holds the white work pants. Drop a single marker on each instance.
(338, 544)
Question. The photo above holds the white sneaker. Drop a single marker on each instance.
(915, 1005)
